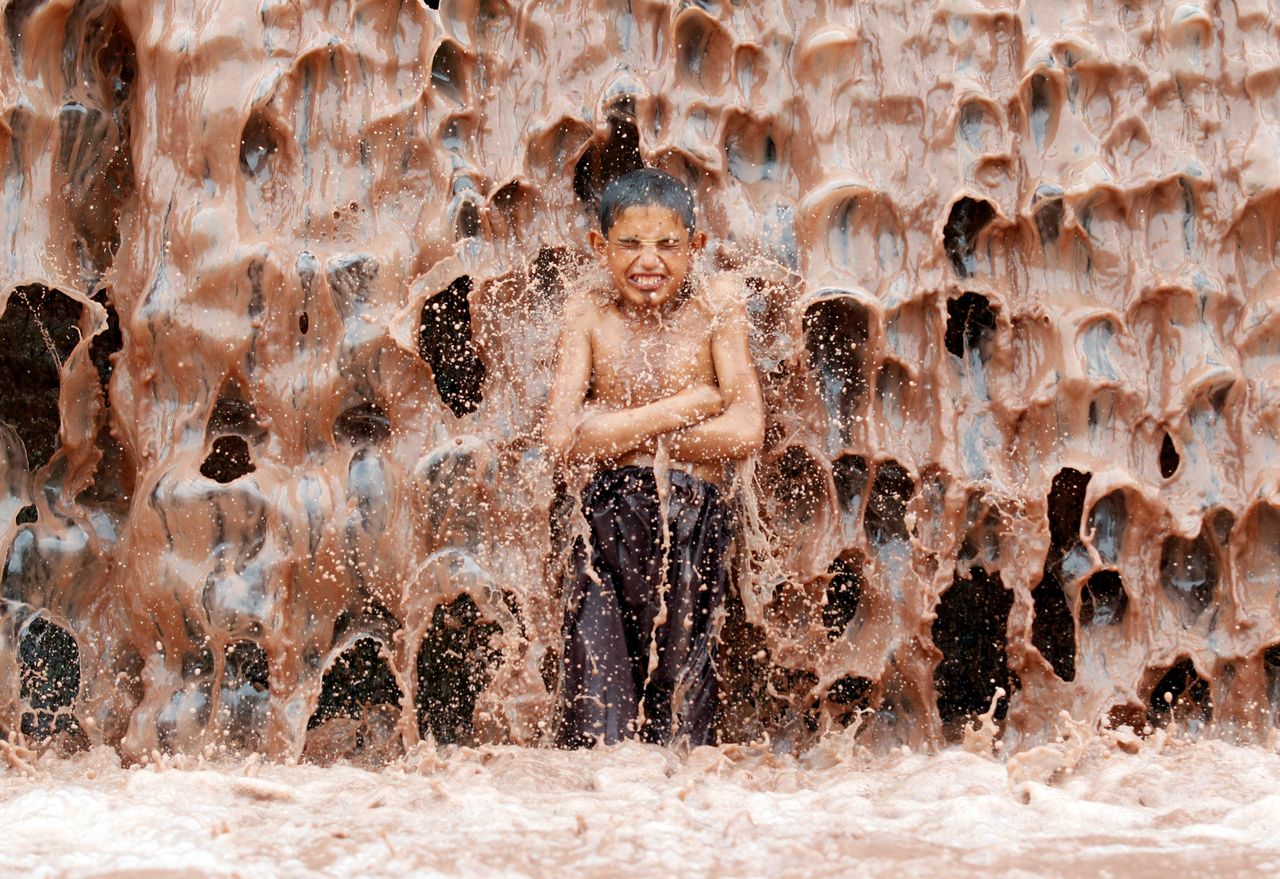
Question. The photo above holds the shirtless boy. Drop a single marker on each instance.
(658, 368)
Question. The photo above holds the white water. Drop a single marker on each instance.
(1083, 808)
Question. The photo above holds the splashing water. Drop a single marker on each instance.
(279, 310)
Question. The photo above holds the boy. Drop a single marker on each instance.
(659, 369)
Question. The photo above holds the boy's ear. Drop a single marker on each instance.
(699, 240)
(598, 242)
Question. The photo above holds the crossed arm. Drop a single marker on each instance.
(702, 423)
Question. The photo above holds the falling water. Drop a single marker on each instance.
(282, 281)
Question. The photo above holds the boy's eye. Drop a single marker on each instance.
(665, 245)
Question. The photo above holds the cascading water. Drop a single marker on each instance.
(281, 284)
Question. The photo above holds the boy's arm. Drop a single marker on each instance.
(569, 433)
(571, 379)
(738, 431)
(613, 434)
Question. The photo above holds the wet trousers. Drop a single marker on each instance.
(652, 597)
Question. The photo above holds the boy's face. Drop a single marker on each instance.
(648, 254)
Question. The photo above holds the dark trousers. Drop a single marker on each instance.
(650, 590)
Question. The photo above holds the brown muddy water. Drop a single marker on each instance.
(279, 288)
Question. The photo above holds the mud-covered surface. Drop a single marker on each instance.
(280, 287)
(1077, 809)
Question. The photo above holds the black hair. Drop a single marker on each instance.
(645, 186)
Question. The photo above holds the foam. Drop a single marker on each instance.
(984, 247)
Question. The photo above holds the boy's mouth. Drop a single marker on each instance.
(647, 282)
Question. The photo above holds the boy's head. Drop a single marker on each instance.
(647, 238)
(645, 186)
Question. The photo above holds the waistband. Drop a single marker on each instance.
(645, 479)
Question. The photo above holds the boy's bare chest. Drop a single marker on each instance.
(636, 364)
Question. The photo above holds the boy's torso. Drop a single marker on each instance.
(636, 362)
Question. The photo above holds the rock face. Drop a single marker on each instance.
(281, 284)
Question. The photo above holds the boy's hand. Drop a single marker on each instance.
(697, 402)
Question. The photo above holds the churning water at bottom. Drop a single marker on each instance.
(1087, 806)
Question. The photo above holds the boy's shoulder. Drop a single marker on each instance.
(723, 291)
(584, 306)
(724, 296)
